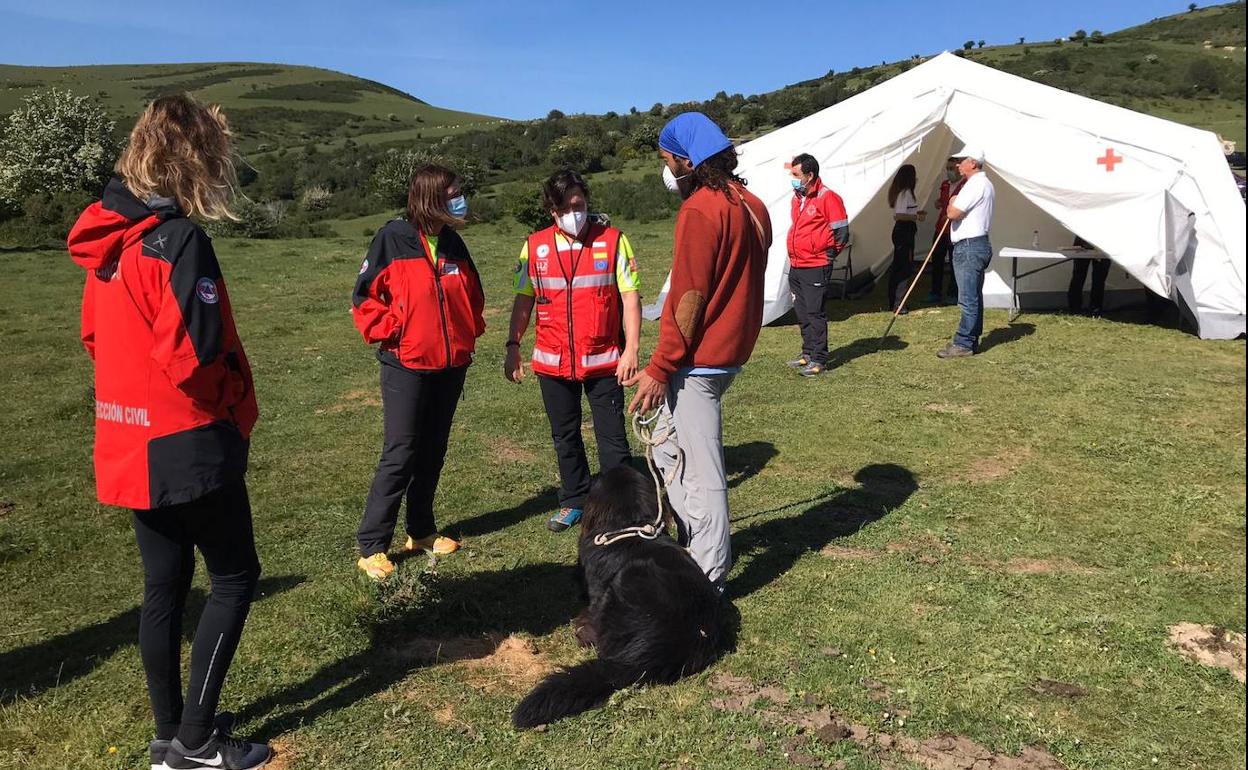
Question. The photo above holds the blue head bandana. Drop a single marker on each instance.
(694, 136)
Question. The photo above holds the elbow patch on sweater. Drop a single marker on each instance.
(689, 312)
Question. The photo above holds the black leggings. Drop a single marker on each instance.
(903, 256)
(219, 525)
(417, 410)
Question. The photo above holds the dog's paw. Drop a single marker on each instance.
(585, 635)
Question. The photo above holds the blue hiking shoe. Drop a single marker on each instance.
(563, 519)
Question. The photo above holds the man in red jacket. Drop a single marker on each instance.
(949, 187)
(819, 231)
(708, 328)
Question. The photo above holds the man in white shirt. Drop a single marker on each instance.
(970, 215)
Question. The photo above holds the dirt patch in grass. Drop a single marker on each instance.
(493, 662)
(1212, 646)
(1060, 689)
(508, 451)
(943, 408)
(284, 754)
(848, 553)
(361, 397)
(515, 663)
(1022, 565)
(985, 469)
(889, 749)
(6, 507)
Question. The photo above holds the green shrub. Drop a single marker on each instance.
(253, 221)
(643, 200)
(524, 203)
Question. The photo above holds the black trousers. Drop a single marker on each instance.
(903, 256)
(219, 525)
(809, 286)
(417, 411)
(1078, 275)
(943, 251)
(562, 399)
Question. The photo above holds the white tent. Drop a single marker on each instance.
(1156, 196)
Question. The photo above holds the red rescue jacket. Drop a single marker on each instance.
(947, 192)
(174, 402)
(425, 317)
(820, 227)
(579, 327)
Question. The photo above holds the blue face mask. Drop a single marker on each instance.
(457, 207)
(797, 184)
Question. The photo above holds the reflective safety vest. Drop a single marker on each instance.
(579, 331)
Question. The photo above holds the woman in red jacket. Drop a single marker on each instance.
(174, 408)
(419, 295)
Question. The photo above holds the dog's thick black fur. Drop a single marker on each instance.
(653, 614)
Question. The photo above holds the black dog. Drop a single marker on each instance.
(653, 614)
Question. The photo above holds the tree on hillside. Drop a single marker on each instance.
(393, 174)
(968, 45)
(56, 142)
(1079, 35)
(1191, 7)
(582, 153)
(1202, 76)
(979, 44)
(1097, 36)
(1022, 40)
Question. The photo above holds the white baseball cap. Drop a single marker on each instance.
(974, 152)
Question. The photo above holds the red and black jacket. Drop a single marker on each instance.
(174, 402)
(427, 317)
(820, 226)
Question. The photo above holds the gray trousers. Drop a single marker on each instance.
(699, 493)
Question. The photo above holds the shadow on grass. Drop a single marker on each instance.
(744, 461)
(1005, 335)
(864, 347)
(460, 618)
(483, 524)
(29, 671)
(776, 544)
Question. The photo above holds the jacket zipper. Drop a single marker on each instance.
(446, 335)
(437, 282)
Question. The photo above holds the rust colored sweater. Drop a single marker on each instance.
(714, 308)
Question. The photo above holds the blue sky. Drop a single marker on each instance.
(521, 59)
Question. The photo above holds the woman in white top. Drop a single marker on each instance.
(906, 216)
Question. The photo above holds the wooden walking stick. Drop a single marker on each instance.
(917, 276)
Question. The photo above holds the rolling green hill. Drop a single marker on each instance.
(270, 105)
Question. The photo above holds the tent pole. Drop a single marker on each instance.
(901, 305)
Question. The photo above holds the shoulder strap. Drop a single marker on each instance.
(758, 226)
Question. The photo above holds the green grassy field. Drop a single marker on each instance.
(918, 542)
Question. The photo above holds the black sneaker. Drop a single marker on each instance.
(157, 749)
(222, 751)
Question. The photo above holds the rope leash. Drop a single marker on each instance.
(643, 429)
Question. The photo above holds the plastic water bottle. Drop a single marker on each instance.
(1035, 239)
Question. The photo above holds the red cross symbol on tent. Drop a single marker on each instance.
(1110, 159)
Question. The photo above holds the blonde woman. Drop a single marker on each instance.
(174, 409)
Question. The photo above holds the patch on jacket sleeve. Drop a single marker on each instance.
(689, 312)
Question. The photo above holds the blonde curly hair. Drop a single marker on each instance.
(183, 150)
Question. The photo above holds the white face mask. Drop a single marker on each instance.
(573, 221)
(671, 181)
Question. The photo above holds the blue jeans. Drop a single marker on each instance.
(970, 259)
